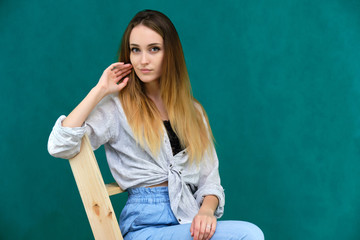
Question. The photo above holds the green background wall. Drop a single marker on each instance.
(279, 80)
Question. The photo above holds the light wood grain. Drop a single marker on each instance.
(113, 188)
(94, 194)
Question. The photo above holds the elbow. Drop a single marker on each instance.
(61, 151)
(56, 151)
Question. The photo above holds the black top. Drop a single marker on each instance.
(174, 140)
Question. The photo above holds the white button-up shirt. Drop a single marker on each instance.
(133, 166)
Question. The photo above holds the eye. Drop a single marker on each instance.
(154, 49)
(135, 50)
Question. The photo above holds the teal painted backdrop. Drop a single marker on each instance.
(279, 80)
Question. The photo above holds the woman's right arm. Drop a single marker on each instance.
(65, 138)
(107, 84)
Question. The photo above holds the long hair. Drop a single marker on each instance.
(187, 117)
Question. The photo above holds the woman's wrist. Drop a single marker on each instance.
(77, 117)
(206, 210)
(209, 204)
(99, 91)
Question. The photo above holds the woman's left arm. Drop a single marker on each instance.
(210, 196)
(204, 223)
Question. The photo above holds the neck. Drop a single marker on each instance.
(152, 90)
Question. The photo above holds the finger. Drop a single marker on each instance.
(122, 74)
(213, 229)
(121, 70)
(202, 230)
(192, 229)
(211, 233)
(122, 84)
(196, 230)
(121, 67)
(120, 78)
(115, 66)
(207, 230)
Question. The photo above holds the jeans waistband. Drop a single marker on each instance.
(148, 195)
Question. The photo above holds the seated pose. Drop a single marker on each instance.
(157, 138)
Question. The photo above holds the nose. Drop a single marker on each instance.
(144, 59)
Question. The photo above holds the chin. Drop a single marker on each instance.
(147, 79)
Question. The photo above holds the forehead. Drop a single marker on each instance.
(142, 35)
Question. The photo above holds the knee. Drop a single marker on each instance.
(253, 232)
(237, 230)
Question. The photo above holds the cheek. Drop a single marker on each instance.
(161, 62)
(132, 59)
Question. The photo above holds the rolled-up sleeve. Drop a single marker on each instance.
(209, 181)
(65, 142)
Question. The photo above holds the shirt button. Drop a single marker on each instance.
(179, 220)
(170, 165)
(180, 172)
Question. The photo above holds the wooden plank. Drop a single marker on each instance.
(113, 188)
(94, 195)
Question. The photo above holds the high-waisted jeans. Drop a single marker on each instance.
(147, 215)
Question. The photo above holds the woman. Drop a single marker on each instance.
(157, 139)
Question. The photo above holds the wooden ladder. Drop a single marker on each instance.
(95, 194)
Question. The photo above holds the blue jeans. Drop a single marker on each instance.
(147, 215)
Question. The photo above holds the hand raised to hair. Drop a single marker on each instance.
(110, 79)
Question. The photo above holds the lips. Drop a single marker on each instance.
(145, 70)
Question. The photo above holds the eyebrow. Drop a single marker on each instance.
(150, 45)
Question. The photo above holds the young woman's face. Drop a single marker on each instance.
(146, 53)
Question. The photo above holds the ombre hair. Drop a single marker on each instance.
(187, 117)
